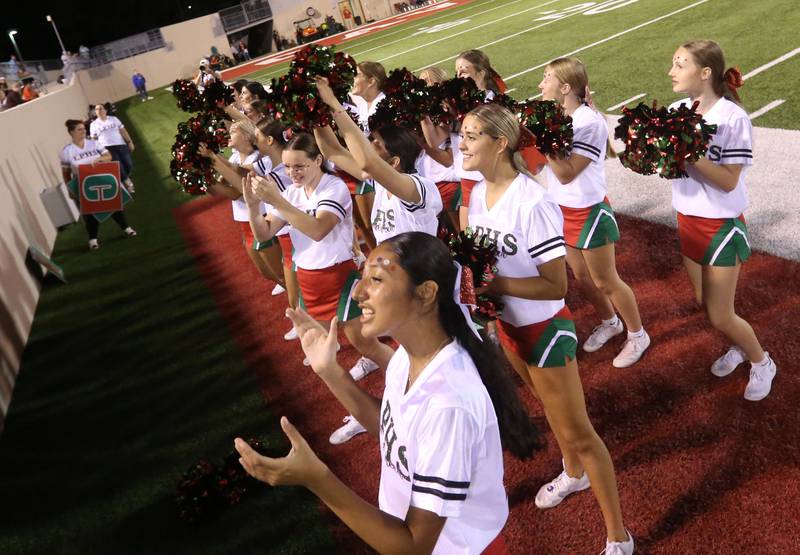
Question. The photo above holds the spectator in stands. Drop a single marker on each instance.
(82, 150)
(29, 90)
(243, 51)
(14, 67)
(111, 134)
(11, 97)
(139, 83)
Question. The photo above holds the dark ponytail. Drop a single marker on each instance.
(426, 258)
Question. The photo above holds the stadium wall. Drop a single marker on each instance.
(286, 12)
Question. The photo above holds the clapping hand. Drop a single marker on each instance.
(249, 195)
(318, 344)
(264, 188)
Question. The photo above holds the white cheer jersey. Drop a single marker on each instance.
(240, 210)
(73, 156)
(330, 195)
(527, 227)
(590, 140)
(263, 167)
(365, 110)
(107, 132)
(433, 170)
(441, 451)
(732, 144)
(392, 216)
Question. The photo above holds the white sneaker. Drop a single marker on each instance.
(130, 232)
(760, 383)
(290, 335)
(632, 351)
(362, 367)
(351, 428)
(619, 548)
(277, 290)
(307, 362)
(93, 244)
(601, 334)
(728, 362)
(554, 492)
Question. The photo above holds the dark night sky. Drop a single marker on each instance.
(89, 22)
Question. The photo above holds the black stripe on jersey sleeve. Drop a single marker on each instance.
(587, 147)
(737, 150)
(333, 204)
(440, 481)
(410, 206)
(737, 155)
(545, 243)
(277, 178)
(543, 250)
(260, 164)
(443, 494)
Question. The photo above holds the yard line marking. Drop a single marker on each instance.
(774, 62)
(396, 54)
(355, 54)
(601, 41)
(624, 102)
(545, 24)
(534, 97)
(509, 91)
(772, 105)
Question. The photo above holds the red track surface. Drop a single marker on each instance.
(358, 32)
(700, 469)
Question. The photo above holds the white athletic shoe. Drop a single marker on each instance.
(362, 367)
(728, 362)
(307, 362)
(130, 232)
(761, 376)
(619, 548)
(93, 244)
(290, 335)
(554, 492)
(351, 428)
(129, 185)
(277, 290)
(601, 334)
(632, 351)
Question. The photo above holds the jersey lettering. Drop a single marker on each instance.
(398, 462)
(384, 220)
(715, 153)
(505, 245)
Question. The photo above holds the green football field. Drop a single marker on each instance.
(118, 393)
(626, 45)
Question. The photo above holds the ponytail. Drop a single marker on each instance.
(733, 80)
(707, 53)
(425, 258)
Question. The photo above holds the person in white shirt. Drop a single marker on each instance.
(111, 134)
(447, 411)
(244, 153)
(86, 151)
(318, 208)
(710, 203)
(514, 213)
(474, 64)
(365, 95)
(404, 200)
(271, 139)
(578, 185)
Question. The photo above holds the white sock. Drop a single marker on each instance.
(635, 334)
(764, 362)
(612, 321)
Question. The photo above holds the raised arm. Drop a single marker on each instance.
(331, 149)
(434, 136)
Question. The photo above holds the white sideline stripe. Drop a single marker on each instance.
(511, 36)
(608, 38)
(448, 37)
(437, 18)
(761, 111)
(356, 54)
(534, 97)
(768, 65)
(624, 102)
(509, 91)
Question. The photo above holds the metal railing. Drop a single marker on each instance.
(246, 13)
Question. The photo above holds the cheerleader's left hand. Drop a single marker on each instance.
(300, 467)
(326, 93)
(265, 189)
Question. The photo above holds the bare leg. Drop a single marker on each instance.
(603, 271)
(272, 258)
(599, 300)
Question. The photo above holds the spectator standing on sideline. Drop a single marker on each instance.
(243, 51)
(139, 83)
(111, 134)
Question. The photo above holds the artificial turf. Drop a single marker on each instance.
(129, 378)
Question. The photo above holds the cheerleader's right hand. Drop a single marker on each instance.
(249, 195)
(326, 93)
(318, 344)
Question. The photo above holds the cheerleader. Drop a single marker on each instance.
(271, 138)
(578, 184)
(710, 203)
(86, 151)
(317, 207)
(535, 328)
(404, 200)
(243, 143)
(111, 134)
(365, 95)
(447, 410)
(475, 65)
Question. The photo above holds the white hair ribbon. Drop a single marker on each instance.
(464, 307)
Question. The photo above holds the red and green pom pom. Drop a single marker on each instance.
(453, 99)
(478, 259)
(408, 100)
(187, 95)
(661, 141)
(195, 173)
(549, 124)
